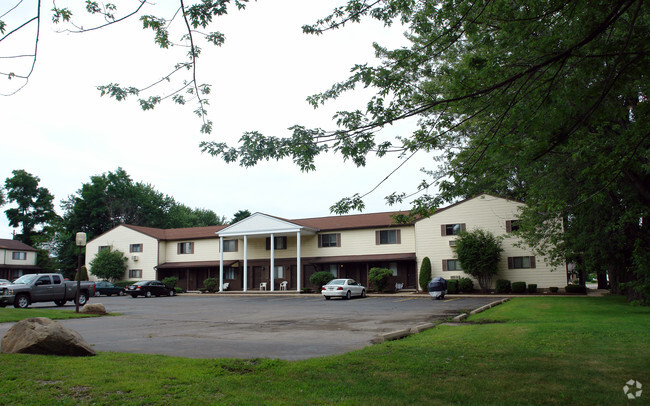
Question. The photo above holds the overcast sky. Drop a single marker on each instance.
(59, 129)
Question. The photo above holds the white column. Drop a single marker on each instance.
(220, 264)
(245, 263)
(272, 262)
(298, 266)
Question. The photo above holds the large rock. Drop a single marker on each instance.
(93, 308)
(40, 335)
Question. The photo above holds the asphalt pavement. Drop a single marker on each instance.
(288, 327)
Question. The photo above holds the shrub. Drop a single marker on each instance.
(122, 284)
(84, 274)
(553, 289)
(425, 274)
(452, 286)
(378, 277)
(532, 288)
(479, 253)
(170, 281)
(503, 286)
(211, 284)
(109, 264)
(465, 285)
(576, 289)
(320, 278)
(177, 289)
(518, 287)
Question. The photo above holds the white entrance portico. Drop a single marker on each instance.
(278, 234)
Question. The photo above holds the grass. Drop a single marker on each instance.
(12, 315)
(559, 350)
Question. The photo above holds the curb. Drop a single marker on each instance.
(399, 334)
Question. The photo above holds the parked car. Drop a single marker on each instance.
(108, 289)
(343, 288)
(5, 282)
(33, 288)
(149, 288)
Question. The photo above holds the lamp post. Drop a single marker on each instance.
(80, 240)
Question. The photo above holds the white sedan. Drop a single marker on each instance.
(344, 288)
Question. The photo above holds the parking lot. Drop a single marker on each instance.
(240, 326)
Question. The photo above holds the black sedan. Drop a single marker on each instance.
(148, 289)
(108, 289)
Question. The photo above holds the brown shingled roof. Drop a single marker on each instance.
(15, 245)
(178, 233)
(352, 221)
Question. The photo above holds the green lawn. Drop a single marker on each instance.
(558, 350)
(12, 315)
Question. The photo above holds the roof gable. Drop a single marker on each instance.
(260, 224)
(15, 245)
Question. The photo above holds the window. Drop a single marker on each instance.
(393, 267)
(229, 273)
(452, 229)
(451, 265)
(229, 245)
(43, 280)
(56, 279)
(135, 273)
(186, 248)
(136, 248)
(521, 262)
(279, 243)
(329, 240)
(512, 226)
(279, 272)
(20, 256)
(387, 237)
(331, 268)
(103, 247)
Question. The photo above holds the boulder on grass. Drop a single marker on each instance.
(40, 335)
(93, 308)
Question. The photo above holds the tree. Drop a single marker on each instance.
(239, 216)
(425, 274)
(34, 209)
(479, 253)
(109, 264)
(82, 275)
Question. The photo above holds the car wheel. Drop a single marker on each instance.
(363, 293)
(59, 302)
(147, 294)
(97, 294)
(172, 293)
(121, 293)
(327, 298)
(108, 294)
(21, 302)
(348, 295)
(134, 296)
(83, 298)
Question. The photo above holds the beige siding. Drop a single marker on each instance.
(121, 238)
(204, 250)
(6, 256)
(489, 213)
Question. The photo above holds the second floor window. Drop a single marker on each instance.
(452, 229)
(186, 248)
(229, 245)
(512, 226)
(451, 265)
(329, 240)
(102, 248)
(279, 243)
(136, 248)
(135, 273)
(20, 256)
(387, 237)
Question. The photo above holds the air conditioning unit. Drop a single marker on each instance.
(135, 257)
(454, 277)
(452, 243)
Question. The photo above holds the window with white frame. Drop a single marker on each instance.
(135, 248)
(393, 267)
(19, 255)
(331, 268)
(521, 262)
(387, 237)
(279, 272)
(451, 265)
(452, 229)
(186, 248)
(135, 273)
(230, 245)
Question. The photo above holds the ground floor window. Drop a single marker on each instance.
(331, 268)
(279, 272)
(135, 273)
(521, 262)
(229, 273)
(451, 265)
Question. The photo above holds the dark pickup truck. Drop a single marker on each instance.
(44, 287)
